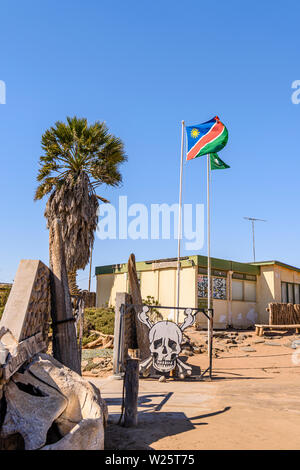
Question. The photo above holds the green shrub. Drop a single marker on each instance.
(1, 311)
(4, 293)
(154, 314)
(100, 319)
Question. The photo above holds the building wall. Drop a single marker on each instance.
(161, 283)
(265, 292)
(158, 283)
(269, 287)
(107, 287)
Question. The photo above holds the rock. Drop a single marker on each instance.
(99, 360)
(31, 411)
(248, 349)
(46, 393)
(185, 352)
(218, 334)
(162, 378)
(272, 344)
(290, 345)
(197, 350)
(243, 337)
(86, 435)
(84, 364)
(258, 341)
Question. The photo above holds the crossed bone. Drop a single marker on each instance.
(183, 368)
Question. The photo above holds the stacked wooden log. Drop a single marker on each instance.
(102, 342)
(283, 314)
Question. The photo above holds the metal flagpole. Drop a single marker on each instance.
(179, 222)
(90, 273)
(210, 321)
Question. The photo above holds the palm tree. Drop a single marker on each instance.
(77, 159)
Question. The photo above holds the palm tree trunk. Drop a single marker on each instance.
(72, 280)
(65, 348)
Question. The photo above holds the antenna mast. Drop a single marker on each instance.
(252, 220)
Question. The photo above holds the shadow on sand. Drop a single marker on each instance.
(153, 424)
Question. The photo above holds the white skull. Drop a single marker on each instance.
(165, 338)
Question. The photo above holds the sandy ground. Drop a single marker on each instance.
(252, 402)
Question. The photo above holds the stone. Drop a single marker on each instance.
(162, 378)
(48, 393)
(88, 435)
(25, 321)
(248, 349)
(272, 343)
(28, 306)
(290, 345)
(258, 341)
(3, 353)
(29, 415)
(186, 352)
(99, 360)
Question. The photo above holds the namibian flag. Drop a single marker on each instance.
(208, 137)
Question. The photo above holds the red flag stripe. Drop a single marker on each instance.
(212, 134)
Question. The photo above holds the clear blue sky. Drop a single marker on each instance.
(143, 67)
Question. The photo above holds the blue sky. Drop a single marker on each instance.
(143, 67)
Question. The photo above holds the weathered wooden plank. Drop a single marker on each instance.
(131, 385)
(142, 330)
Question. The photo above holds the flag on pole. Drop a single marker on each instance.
(216, 163)
(208, 137)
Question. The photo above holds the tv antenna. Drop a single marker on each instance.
(252, 220)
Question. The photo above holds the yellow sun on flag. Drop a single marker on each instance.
(195, 133)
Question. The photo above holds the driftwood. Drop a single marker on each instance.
(142, 331)
(283, 314)
(106, 341)
(131, 385)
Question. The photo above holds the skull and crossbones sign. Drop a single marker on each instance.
(165, 344)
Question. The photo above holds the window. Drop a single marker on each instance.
(290, 293)
(247, 277)
(218, 287)
(214, 272)
(244, 290)
(237, 290)
(296, 294)
(250, 291)
(283, 292)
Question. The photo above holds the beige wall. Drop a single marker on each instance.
(269, 287)
(162, 285)
(265, 292)
(107, 287)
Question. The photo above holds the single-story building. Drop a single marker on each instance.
(241, 291)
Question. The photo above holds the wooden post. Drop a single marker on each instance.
(142, 330)
(131, 385)
(122, 298)
(65, 348)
